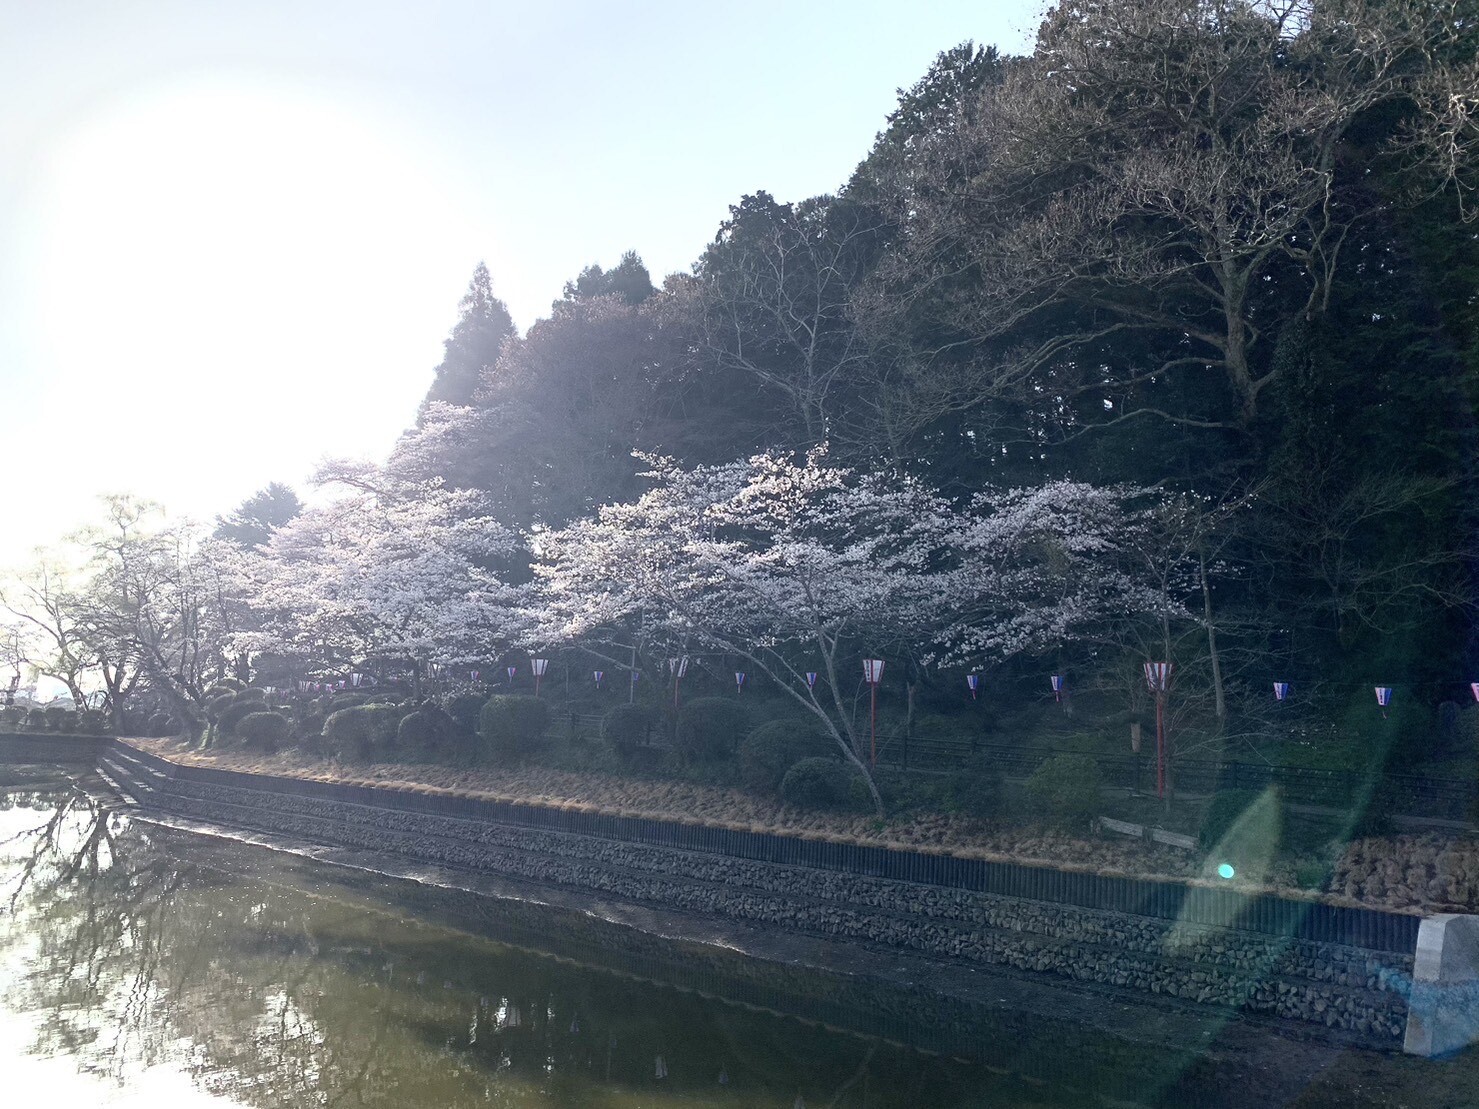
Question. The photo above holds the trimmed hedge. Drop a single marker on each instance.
(628, 726)
(266, 731)
(233, 714)
(771, 749)
(711, 727)
(818, 783)
(466, 709)
(434, 733)
(362, 732)
(513, 724)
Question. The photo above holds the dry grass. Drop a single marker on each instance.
(1408, 873)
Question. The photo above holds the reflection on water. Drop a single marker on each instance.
(144, 956)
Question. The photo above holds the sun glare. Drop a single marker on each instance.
(234, 262)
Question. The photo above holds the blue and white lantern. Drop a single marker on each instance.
(811, 681)
(973, 683)
(739, 680)
(873, 670)
(1383, 695)
(598, 675)
(1057, 681)
(356, 679)
(1474, 688)
(1281, 691)
(1158, 676)
(512, 670)
(475, 674)
(678, 666)
(635, 675)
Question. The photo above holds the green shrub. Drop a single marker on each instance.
(345, 701)
(711, 727)
(93, 722)
(1065, 790)
(361, 732)
(628, 726)
(771, 749)
(1311, 874)
(60, 719)
(466, 709)
(1222, 813)
(161, 724)
(266, 731)
(309, 729)
(218, 703)
(434, 733)
(12, 717)
(36, 721)
(223, 686)
(233, 714)
(513, 724)
(817, 783)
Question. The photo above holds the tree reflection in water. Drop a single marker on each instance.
(275, 987)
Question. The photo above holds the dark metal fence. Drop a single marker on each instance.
(1448, 798)
(1371, 929)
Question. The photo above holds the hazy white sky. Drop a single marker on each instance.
(233, 236)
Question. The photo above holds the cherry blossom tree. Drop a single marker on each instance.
(790, 565)
(796, 565)
(388, 569)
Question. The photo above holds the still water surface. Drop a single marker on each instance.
(146, 966)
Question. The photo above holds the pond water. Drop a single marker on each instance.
(142, 965)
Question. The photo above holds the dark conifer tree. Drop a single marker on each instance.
(483, 326)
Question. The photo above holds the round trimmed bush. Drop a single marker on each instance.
(93, 722)
(711, 727)
(771, 749)
(161, 724)
(235, 713)
(346, 701)
(36, 721)
(817, 783)
(431, 732)
(1065, 789)
(225, 685)
(218, 703)
(362, 732)
(466, 709)
(513, 724)
(12, 717)
(266, 731)
(628, 726)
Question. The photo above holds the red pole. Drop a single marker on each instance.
(873, 724)
(677, 680)
(536, 685)
(1160, 745)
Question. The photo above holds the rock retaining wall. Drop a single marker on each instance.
(1360, 992)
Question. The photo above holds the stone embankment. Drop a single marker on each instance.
(1358, 991)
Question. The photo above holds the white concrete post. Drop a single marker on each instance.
(1443, 1011)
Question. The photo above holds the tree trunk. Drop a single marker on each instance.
(1220, 697)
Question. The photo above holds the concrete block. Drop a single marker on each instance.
(1443, 1009)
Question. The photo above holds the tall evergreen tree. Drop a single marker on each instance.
(483, 325)
(257, 517)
